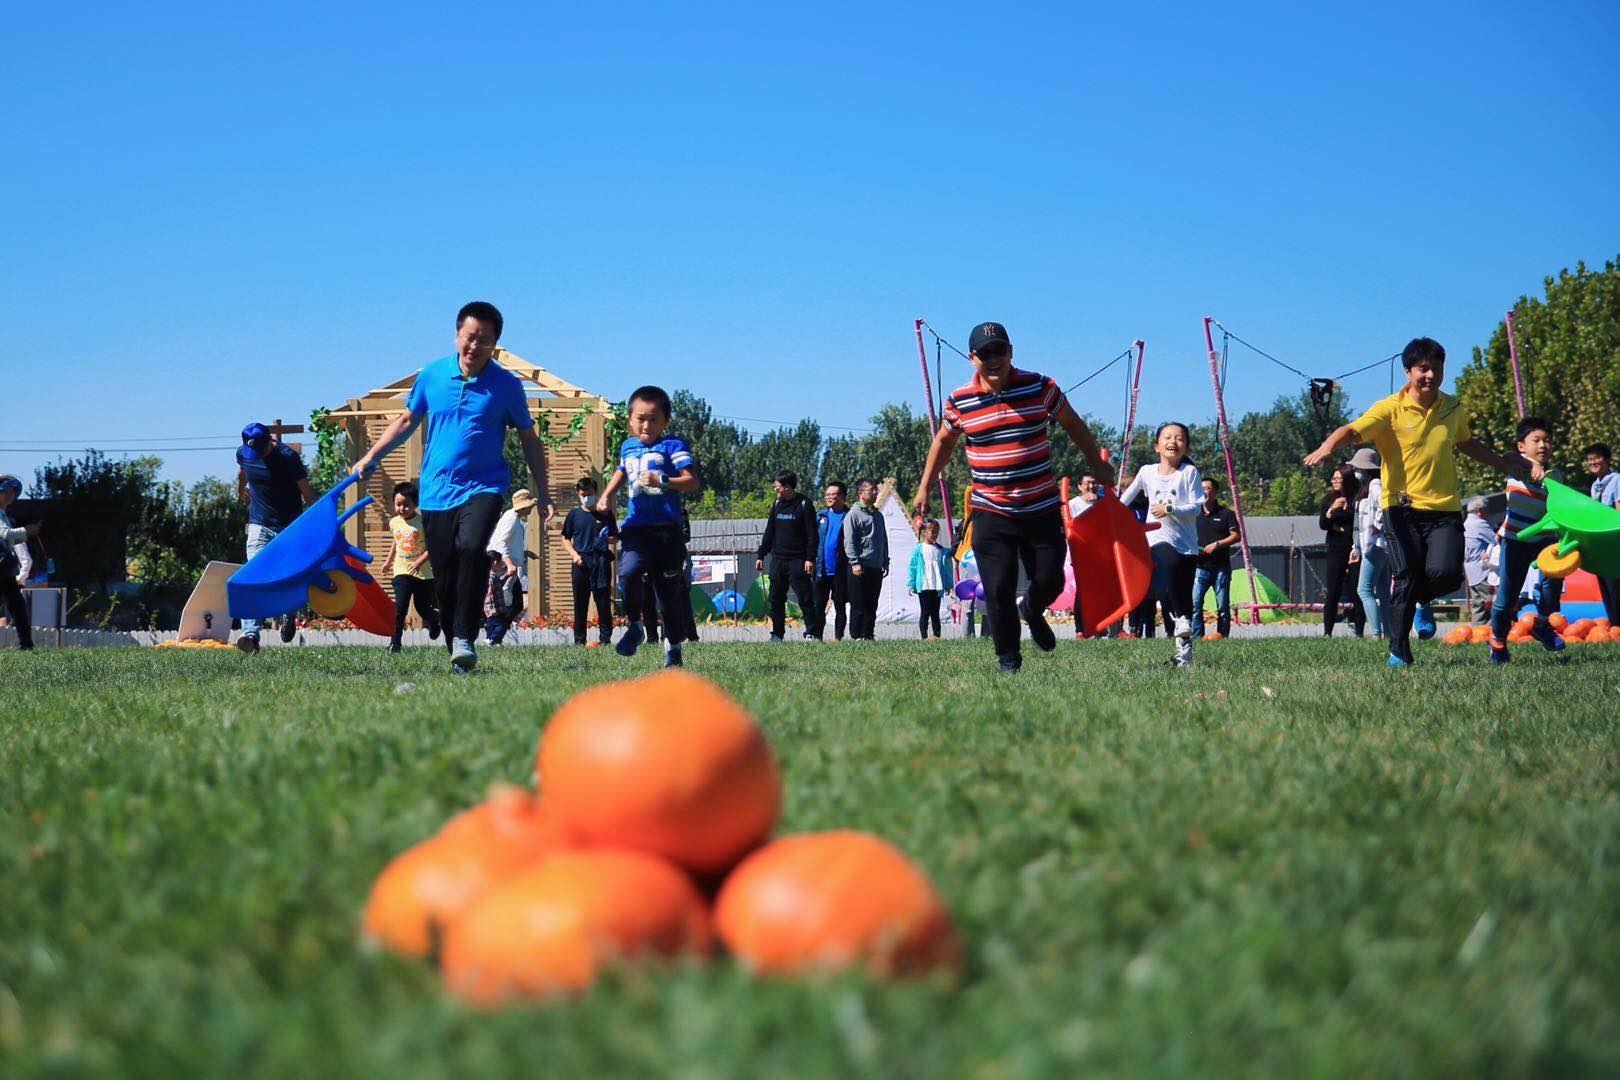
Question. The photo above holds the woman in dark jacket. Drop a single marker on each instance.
(1337, 516)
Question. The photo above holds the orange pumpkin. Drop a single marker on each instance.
(669, 764)
(831, 899)
(1579, 628)
(1481, 633)
(552, 928)
(1517, 634)
(431, 883)
(1614, 633)
(1457, 635)
(1558, 620)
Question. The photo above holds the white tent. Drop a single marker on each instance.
(894, 603)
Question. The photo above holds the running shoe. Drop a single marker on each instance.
(1423, 622)
(248, 643)
(1499, 651)
(1395, 661)
(463, 657)
(1543, 632)
(634, 634)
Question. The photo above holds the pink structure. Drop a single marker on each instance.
(1231, 474)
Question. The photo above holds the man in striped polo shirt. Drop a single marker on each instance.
(1004, 413)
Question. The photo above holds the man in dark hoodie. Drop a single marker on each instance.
(790, 542)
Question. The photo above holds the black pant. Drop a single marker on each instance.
(1000, 543)
(863, 601)
(928, 600)
(834, 586)
(16, 606)
(789, 570)
(1425, 563)
(656, 554)
(1177, 572)
(406, 587)
(458, 541)
(1609, 590)
(1338, 572)
(583, 595)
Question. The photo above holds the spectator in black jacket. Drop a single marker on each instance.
(790, 542)
(1337, 516)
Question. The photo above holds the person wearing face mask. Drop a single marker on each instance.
(1418, 431)
(588, 537)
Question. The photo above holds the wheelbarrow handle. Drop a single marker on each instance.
(355, 509)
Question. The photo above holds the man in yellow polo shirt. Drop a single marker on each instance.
(1418, 431)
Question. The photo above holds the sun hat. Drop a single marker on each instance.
(1365, 458)
(522, 500)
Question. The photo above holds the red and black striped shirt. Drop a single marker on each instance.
(1008, 451)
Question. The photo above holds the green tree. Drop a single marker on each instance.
(897, 446)
(797, 448)
(1569, 363)
(715, 444)
(841, 460)
(95, 504)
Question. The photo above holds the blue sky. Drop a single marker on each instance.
(212, 217)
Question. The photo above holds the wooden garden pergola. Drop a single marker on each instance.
(559, 408)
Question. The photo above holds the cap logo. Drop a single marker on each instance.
(987, 328)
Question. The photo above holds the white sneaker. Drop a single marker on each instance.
(1184, 632)
(1183, 656)
(463, 657)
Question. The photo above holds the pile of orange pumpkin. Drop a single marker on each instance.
(650, 836)
(1579, 630)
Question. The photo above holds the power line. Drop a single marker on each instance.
(115, 450)
(125, 439)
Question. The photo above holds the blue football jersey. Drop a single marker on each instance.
(666, 457)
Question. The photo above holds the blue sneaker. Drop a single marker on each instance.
(672, 656)
(1423, 622)
(631, 640)
(1395, 661)
(463, 657)
(1547, 636)
(1499, 651)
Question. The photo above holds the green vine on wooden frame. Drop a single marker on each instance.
(331, 462)
(615, 429)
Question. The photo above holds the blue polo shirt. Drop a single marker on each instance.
(467, 420)
(666, 457)
(274, 499)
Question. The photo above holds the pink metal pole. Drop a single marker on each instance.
(1513, 354)
(1123, 477)
(1231, 473)
(933, 428)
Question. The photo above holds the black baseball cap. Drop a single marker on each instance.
(986, 333)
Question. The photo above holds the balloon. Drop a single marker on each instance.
(964, 588)
(978, 590)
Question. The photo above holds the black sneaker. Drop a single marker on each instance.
(1041, 633)
(289, 630)
(1011, 667)
(433, 632)
(248, 643)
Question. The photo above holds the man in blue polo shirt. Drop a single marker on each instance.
(271, 476)
(468, 404)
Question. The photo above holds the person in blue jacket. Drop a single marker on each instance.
(931, 576)
(832, 565)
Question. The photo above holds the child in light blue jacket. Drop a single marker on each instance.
(931, 576)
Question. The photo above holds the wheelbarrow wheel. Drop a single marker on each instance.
(335, 602)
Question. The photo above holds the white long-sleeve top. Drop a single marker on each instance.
(508, 540)
(1369, 529)
(1183, 492)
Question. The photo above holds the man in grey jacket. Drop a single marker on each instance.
(866, 545)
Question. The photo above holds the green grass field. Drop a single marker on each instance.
(1333, 868)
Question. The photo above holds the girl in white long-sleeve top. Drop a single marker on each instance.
(1175, 494)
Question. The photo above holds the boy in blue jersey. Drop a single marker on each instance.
(658, 469)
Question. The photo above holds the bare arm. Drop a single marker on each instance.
(395, 433)
(241, 486)
(685, 481)
(1070, 421)
(1343, 436)
(1513, 465)
(939, 452)
(605, 504)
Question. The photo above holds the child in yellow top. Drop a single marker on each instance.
(1418, 431)
(408, 563)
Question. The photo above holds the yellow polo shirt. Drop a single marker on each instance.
(1418, 448)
